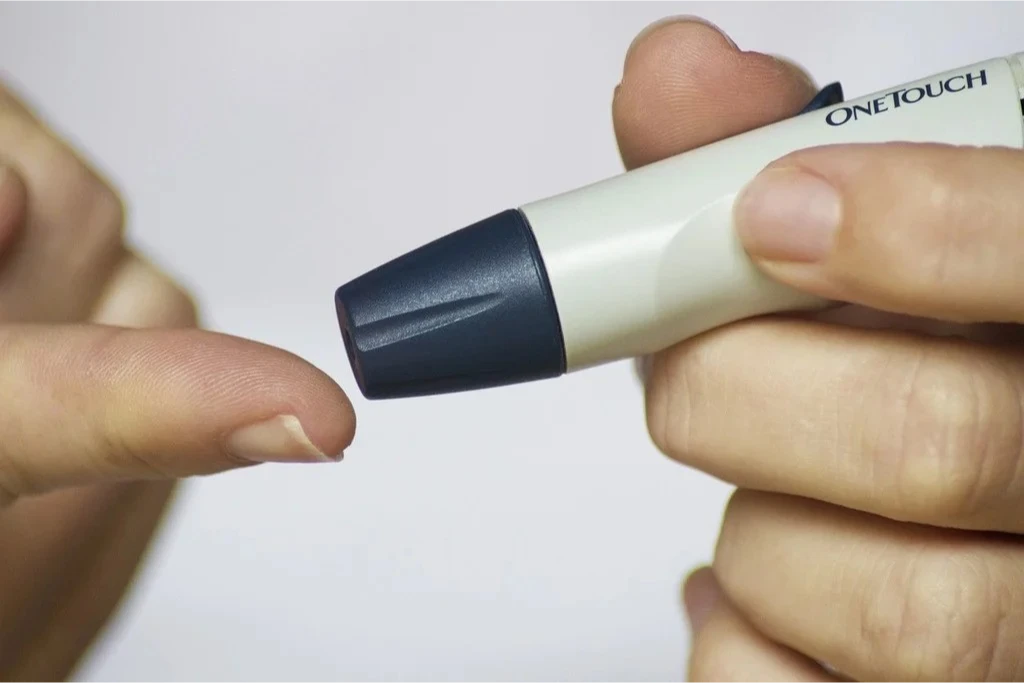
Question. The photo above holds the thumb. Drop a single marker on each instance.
(93, 404)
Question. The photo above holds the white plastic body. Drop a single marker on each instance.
(649, 258)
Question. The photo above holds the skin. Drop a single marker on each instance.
(876, 521)
(875, 526)
(119, 396)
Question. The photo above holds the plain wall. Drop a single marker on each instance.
(270, 152)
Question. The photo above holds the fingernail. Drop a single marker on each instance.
(279, 439)
(788, 214)
(680, 19)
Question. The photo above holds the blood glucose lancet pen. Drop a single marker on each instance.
(633, 264)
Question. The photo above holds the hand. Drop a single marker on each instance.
(878, 450)
(100, 416)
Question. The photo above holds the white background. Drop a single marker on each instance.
(271, 152)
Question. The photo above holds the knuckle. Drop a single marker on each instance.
(108, 208)
(112, 444)
(938, 618)
(955, 437)
(85, 202)
(140, 295)
(17, 475)
(741, 527)
(668, 403)
(175, 305)
(119, 453)
(71, 197)
(104, 210)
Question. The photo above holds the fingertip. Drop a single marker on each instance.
(671, 31)
(324, 409)
(334, 430)
(686, 84)
(221, 384)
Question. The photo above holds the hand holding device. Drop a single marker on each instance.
(876, 447)
(633, 264)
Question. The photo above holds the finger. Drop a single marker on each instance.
(13, 201)
(13, 101)
(102, 404)
(727, 648)
(73, 228)
(910, 427)
(685, 84)
(877, 599)
(77, 548)
(921, 229)
(141, 295)
(71, 553)
(701, 595)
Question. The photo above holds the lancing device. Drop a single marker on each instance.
(634, 264)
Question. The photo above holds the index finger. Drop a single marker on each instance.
(99, 404)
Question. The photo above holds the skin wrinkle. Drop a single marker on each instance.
(881, 231)
(967, 636)
(685, 67)
(901, 437)
(14, 480)
(905, 627)
(187, 370)
(1006, 650)
(983, 468)
(71, 554)
(117, 449)
(852, 403)
(849, 360)
(947, 419)
(873, 601)
(765, 536)
(659, 418)
(978, 653)
(1017, 474)
(657, 116)
(998, 445)
(879, 470)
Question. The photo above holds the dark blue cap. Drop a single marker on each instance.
(830, 95)
(471, 310)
